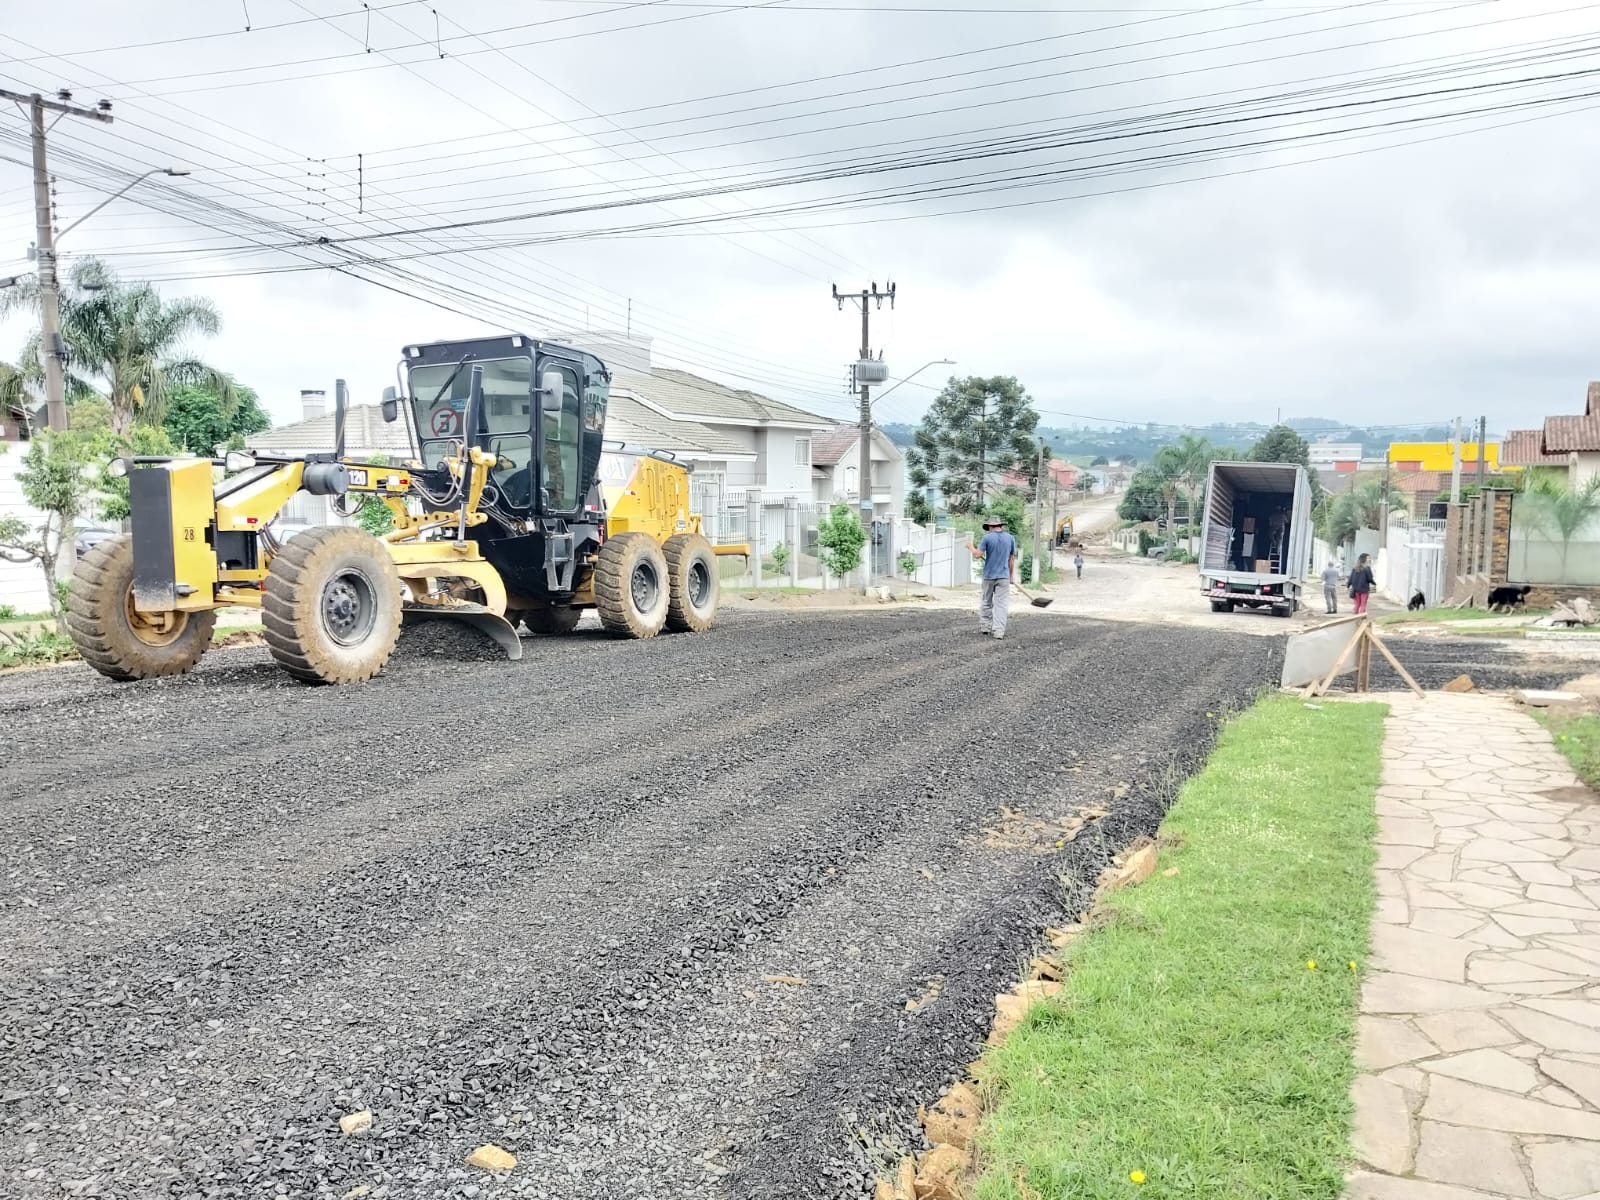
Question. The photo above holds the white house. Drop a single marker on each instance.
(836, 468)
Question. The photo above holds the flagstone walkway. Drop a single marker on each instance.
(1480, 1025)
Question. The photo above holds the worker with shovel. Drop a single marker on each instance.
(998, 550)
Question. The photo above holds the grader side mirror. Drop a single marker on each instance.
(391, 405)
(552, 384)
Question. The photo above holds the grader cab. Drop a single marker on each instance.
(515, 511)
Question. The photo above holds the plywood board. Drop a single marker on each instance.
(1309, 656)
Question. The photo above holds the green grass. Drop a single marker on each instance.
(34, 648)
(1191, 1042)
(1577, 737)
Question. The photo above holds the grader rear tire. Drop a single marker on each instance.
(331, 613)
(549, 620)
(114, 639)
(695, 587)
(631, 589)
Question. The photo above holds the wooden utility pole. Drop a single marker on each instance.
(51, 346)
(1483, 438)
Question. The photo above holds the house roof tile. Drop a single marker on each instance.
(1525, 448)
(629, 421)
(365, 432)
(829, 448)
(691, 396)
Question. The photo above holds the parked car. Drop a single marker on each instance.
(88, 537)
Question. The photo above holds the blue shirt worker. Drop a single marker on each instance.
(998, 550)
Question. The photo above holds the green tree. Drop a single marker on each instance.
(197, 419)
(1561, 511)
(1360, 508)
(1168, 464)
(1011, 509)
(55, 479)
(104, 446)
(1142, 500)
(839, 541)
(919, 509)
(907, 562)
(975, 430)
(1284, 445)
(125, 342)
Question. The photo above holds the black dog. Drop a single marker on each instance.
(1418, 601)
(1504, 599)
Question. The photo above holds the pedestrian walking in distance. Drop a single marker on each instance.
(1330, 586)
(1077, 561)
(998, 550)
(1361, 582)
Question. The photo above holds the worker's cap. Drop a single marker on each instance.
(993, 522)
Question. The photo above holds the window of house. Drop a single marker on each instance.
(802, 452)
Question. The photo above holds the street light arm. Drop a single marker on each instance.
(118, 196)
(938, 362)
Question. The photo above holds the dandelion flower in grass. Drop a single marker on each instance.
(1352, 964)
(1311, 964)
(1136, 1176)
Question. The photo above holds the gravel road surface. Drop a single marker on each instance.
(648, 915)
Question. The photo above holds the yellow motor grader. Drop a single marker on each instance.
(515, 511)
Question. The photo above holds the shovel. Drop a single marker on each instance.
(1036, 601)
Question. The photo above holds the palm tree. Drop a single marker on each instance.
(1359, 508)
(1169, 464)
(1561, 510)
(126, 343)
(1194, 454)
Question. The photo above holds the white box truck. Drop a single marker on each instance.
(1255, 540)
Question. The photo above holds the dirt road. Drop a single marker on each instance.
(646, 914)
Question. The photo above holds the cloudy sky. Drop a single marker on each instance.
(1146, 210)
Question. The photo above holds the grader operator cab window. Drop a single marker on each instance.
(562, 427)
(505, 427)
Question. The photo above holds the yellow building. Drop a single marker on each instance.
(1440, 456)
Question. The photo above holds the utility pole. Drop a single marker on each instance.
(1383, 517)
(1055, 516)
(867, 372)
(51, 345)
(1483, 438)
(1038, 517)
(1455, 466)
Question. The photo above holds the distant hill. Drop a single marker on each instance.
(1140, 442)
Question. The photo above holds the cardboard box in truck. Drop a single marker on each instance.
(1255, 515)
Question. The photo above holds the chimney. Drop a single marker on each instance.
(313, 403)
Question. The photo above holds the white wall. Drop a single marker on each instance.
(783, 476)
(21, 584)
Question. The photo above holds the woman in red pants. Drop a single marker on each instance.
(1361, 582)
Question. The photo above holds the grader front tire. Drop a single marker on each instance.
(695, 587)
(114, 639)
(631, 590)
(331, 612)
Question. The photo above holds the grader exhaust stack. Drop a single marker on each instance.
(502, 519)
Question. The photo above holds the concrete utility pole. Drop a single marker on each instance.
(1038, 516)
(866, 300)
(1455, 466)
(51, 347)
(1483, 438)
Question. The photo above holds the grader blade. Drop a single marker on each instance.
(487, 620)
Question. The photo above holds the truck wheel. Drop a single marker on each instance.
(1282, 610)
(631, 590)
(547, 620)
(331, 613)
(1221, 606)
(694, 584)
(114, 639)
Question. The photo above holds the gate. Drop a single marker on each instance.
(1425, 563)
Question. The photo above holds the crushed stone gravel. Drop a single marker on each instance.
(646, 915)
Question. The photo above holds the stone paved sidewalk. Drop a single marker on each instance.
(1480, 1025)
